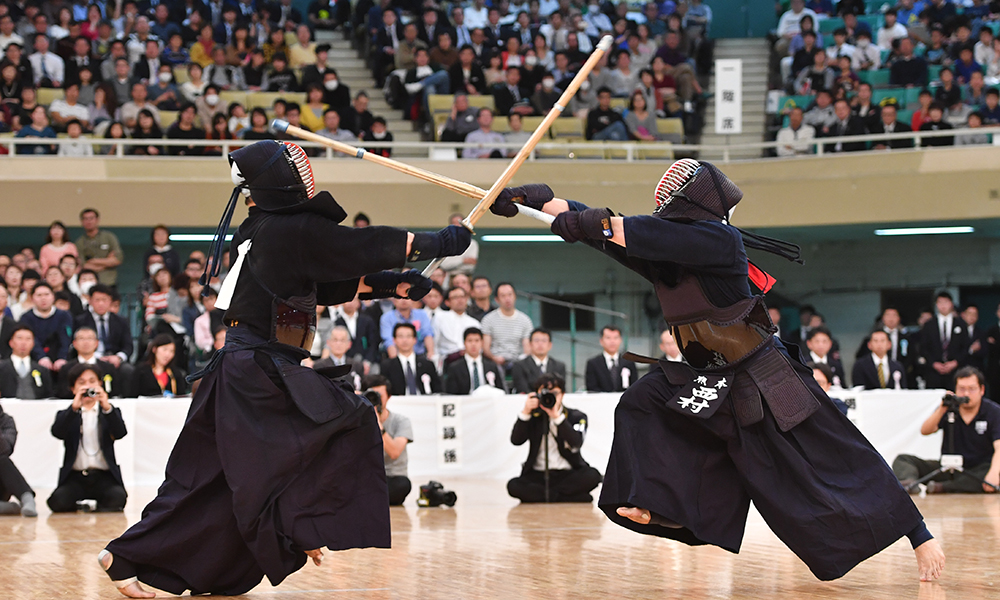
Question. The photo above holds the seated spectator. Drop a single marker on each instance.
(405, 312)
(948, 91)
(510, 97)
(20, 375)
(386, 39)
(313, 111)
(184, 128)
(517, 134)
(608, 372)
(357, 118)
(641, 122)
(331, 129)
(815, 78)
(128, 113)
(121, 82)
(223, 75)
(965, 66)
(258, 129)
(976, 439)
(888, 124)
(506, 329)
(462, 121)
(957, 115)
(975, 91)
(102, 107)
(407, 369)
(555, 436)
(493, 71)
(37, 128)
(846, 124)
(819, 343)
(468, 374)
(57, 245)
(405, 56)
(623, 77)
(444, 53)
(796, 136)
(867, 56)
(49, 69)
(10, 83)
(194, 87)
(822, 115)
(862, 106)
(93, 425)
(77, 147)
(63, 110)
(303, 51)
(975, 121)
(605, 123)
(876, 370)
(7, 324)
(378, 133)
(207, 322)
(450, 325)
(313, 73)
(146, 129)
(680, 69)
(218, 131)
(546, 96)
(85, 343)
(422, 80)
(12, 483)
(114, 335)
(337, 353)
(204, 46)
(982, 52)
(364, 332)
(162, 92)
(175, 54)
(254, 70)
(155, 376)
(397, 432)
(538, 362)
(908, 70)
(51, 327)
(891, 30)
(209, 104)
(846, 80)
(484, 135)
(279, 78)
(335, 92)
(991, 108)
(147, 66)
(935, 122)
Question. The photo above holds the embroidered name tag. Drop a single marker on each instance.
(702, 396)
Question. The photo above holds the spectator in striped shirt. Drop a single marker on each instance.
(506, 330)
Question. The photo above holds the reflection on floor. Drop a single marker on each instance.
(490, 547)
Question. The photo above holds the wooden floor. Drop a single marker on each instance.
(490, 547)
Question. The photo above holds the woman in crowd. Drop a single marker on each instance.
(238, 119)
(164, 307)
(546, 57)
(218, 131)
(60, 29)
(184, 128)
(87, 87)
(116, 131)
(37, 128)
(641, 122)
(665, 86)
(194, 87)
(20, 300)
(89, 28)
(494, 72)
(194, 305)
(55, 278)
(258, 126)
(238, 52)
(29, 100)
(12, 279)
(312, 111)
(201, 50)
(511, 55)
(159, 239)
(146, 129)
(647, 47)
(275, 43)
(56, 246)
(923, 113)
(10, 84)
(103, 105)
(155, 376)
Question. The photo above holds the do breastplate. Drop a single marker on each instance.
(710, 337)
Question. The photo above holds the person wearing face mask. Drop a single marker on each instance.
(546, 96)
(584, 101)
(867, 56)
(209, 104)
(378, 133)
(335, 93)
(162, 92)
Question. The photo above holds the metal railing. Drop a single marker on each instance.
(572, 338)
(629, 151)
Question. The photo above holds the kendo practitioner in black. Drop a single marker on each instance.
(275, 460)
(744, 420)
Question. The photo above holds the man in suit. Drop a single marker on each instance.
(538, 362)
(387, 40)
(339, 345)
(85, 344)
(466, 74)
(364, 332)
(430, 28)
(607, 372)
(408, 371)
(7, 325)
(977, 337)
(944, 344)
(555, 435)
(509, 96)
(798, 336)
(20, 376)
(877, 370)
(888, 124)
(93, 424)
(147, 67)
(522, 29)
(668, 346)
(819, 343)
(845, 125)
(114, 336)
(473, 370)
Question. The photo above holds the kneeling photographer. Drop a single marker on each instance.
(555, 471)
(397, 432)
(971, 427)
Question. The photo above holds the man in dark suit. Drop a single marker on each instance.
(114, 336)
(431, 26)
(876, 370)
(798, 336)
(364, 332)
(466, 74)
(409, 371)
(888, 124)
(93, 424)
(387, 39)
(473, 370)
(85, 344)
(607, 372)
(522, 29)
(819, 344)
(845, 125)
(21, 377)
(977, 337)
(527, 370)
(509, 95)
(944, 344)
(555, 435)
(315, 72)
(147, 67)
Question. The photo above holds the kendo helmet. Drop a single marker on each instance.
(277, 174)
(696, 191)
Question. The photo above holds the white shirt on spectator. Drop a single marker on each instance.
(610, 359)
(482, 137)
(556, 460)
(884, 361)
(476, 19)
(870, 55)
(983, 54)
(887, 35)
(89, 455)
(410, 360)
(835, 52)
(130, 112)
(789, 22)
(476, 371)
(547, 7)
(350, 321)
(796, 141)
(449, 331)
(13, 37)
(817, 358)
(66, 110)
(55, 68)
(80, 147)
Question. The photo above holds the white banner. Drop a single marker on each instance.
(728, 96)
(449, 432)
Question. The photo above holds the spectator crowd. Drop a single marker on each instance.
(913, 66)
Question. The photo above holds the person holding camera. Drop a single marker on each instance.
(397, 432)
(555, 471)
(976, 439)
(89, 429)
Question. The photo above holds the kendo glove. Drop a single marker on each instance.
(384, 284)
(533, 195)
(590, 224)
(450, 241)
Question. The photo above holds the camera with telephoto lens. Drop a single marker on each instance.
(953, 402)
(375, 398)
(434, 494)
(546, 398)
(91, 393)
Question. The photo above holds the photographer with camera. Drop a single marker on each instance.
(89, 429)
(555, 471)
(976, 438)
(397, 432)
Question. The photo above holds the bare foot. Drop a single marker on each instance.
(316, 555)
(639, 515)
(133, 589)
(930, 560)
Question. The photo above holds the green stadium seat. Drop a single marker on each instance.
(484, 101)
(567, 128)
(898, 93)
(440, 103)
(830, 24)
(873, 21)
(532, 123)
(934, 72)
(655, 154)
(671, 129)
(904, 115)
(46, 96)
(553, 152)
(877, 78)
(913, 95)
(167, 118)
